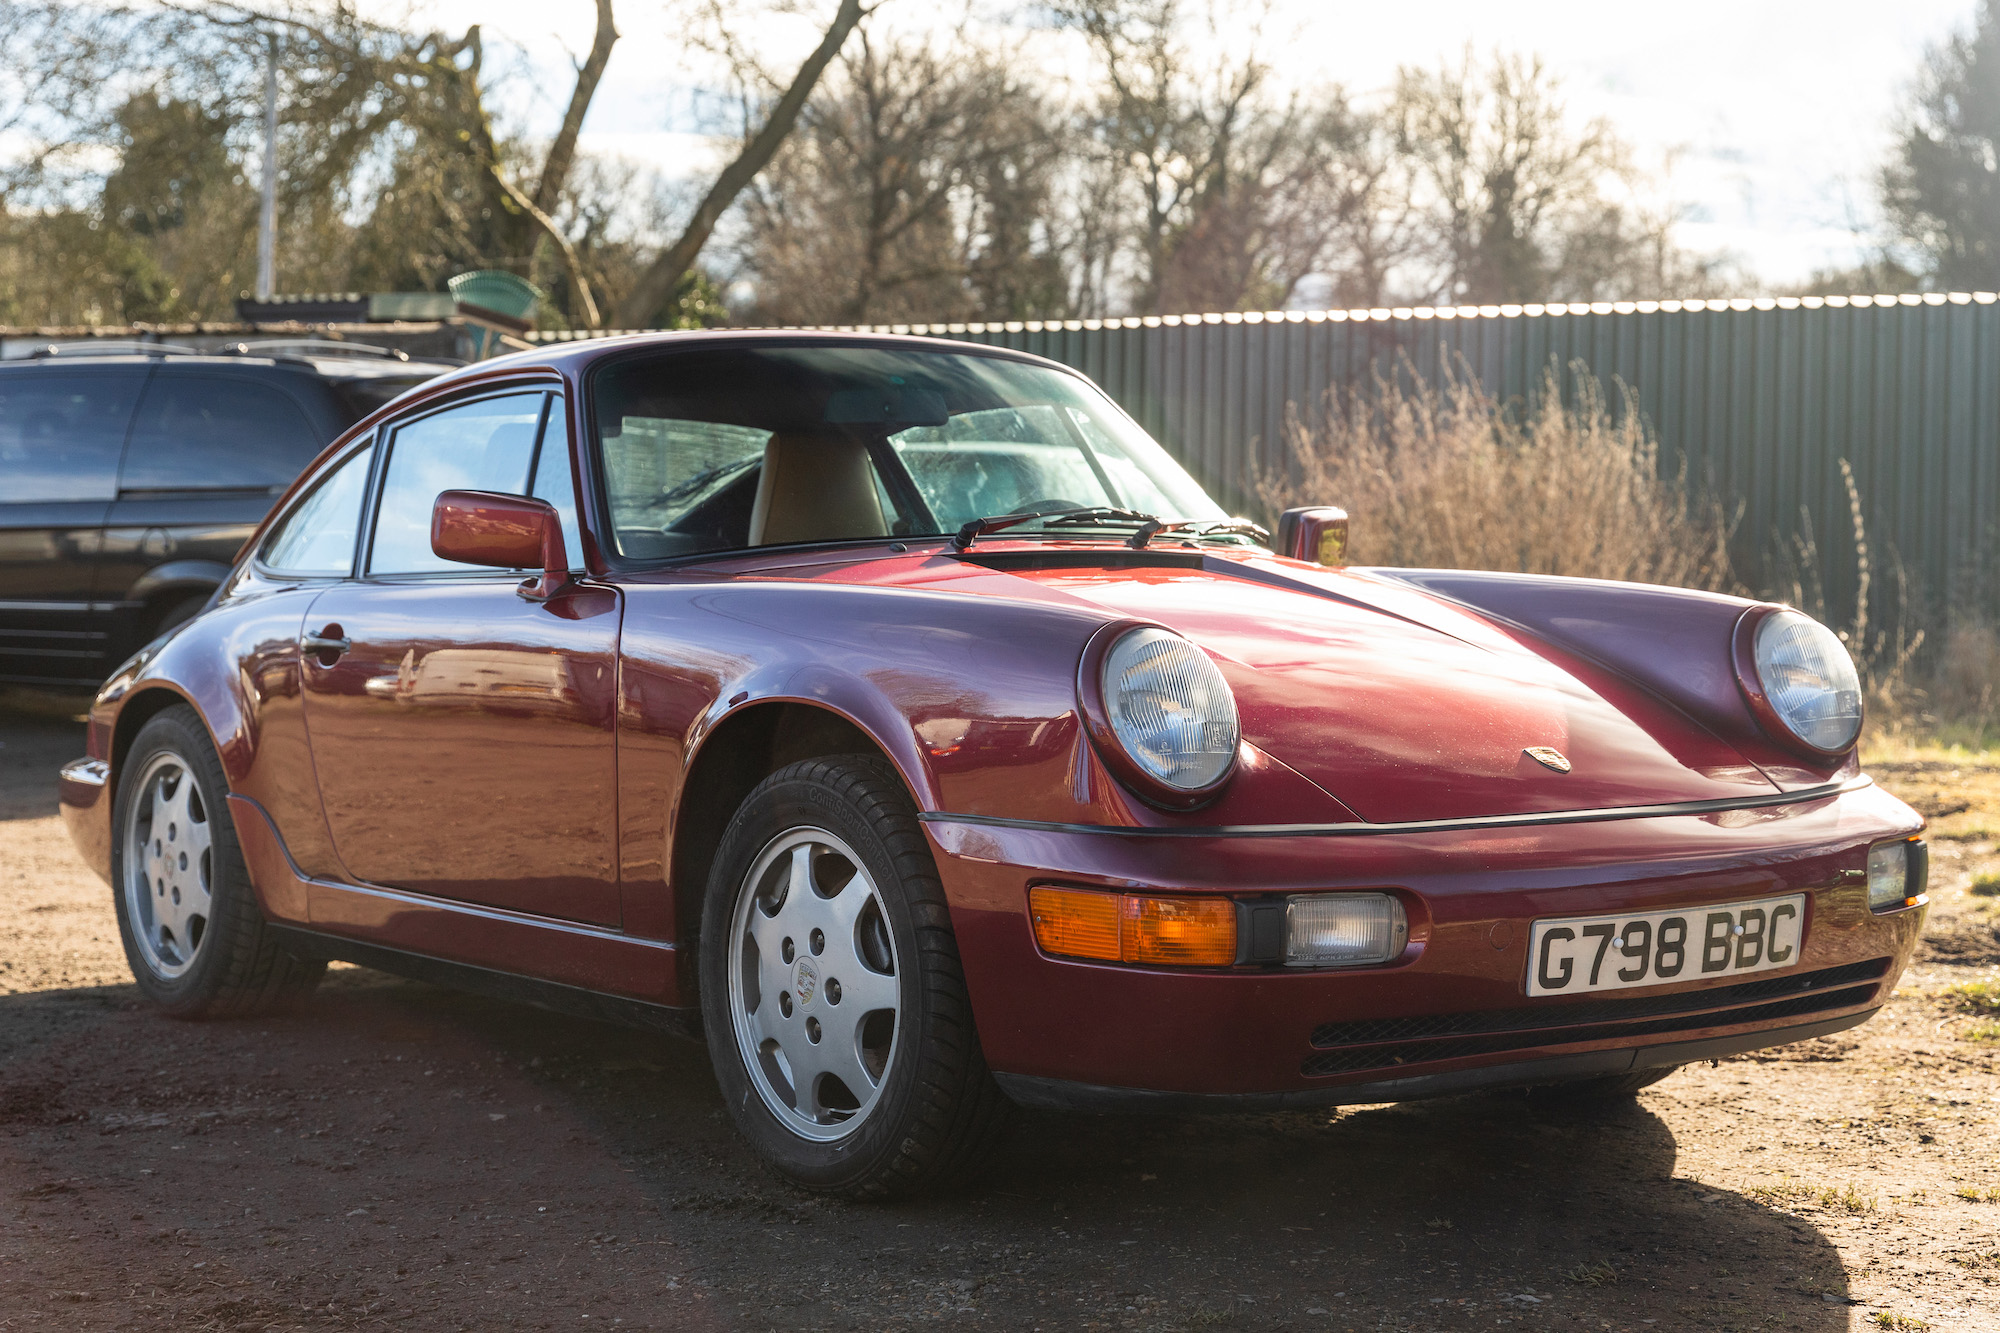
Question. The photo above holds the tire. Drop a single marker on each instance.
(832, 996)
(1598, 1094)
(193, 933)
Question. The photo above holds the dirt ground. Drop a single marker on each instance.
(398, 1156)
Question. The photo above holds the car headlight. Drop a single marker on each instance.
(1805, 680)
(1169, 713)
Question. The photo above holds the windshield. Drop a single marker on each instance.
(730, 447)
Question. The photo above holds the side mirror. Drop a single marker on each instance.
(505, 531)
(1317, 536)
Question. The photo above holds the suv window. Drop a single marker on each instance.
(488, 445)
(317, 537)
(61, 433)
(213, 432)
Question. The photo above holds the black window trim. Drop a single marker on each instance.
(378, 476)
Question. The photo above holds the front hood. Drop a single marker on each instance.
(1401, 706)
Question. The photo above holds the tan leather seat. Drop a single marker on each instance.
(815, 488)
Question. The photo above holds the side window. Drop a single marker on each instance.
(554, 480)
(216, 432)
(317, 537)
(486, 445)
(61, 434)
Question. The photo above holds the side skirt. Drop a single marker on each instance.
(553, 995)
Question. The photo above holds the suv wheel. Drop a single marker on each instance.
(832, 995)
(192, 930)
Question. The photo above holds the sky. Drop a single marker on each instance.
(1774, 114)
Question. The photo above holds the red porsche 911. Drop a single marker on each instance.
(897, 714)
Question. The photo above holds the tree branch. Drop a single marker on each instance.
(656, 284)
(562, 152)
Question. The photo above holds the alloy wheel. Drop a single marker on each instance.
(169, 865)
(814, 996)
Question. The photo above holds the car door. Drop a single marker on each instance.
(61, 433)
(462, 735)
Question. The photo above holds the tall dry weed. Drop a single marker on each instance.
(1885, 634)
(1451, 477)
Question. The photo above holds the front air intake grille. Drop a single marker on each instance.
(1390, 1043)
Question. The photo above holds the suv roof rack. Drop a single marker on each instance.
(315, 347)
(115, 347)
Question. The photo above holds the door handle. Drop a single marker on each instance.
(324, 647)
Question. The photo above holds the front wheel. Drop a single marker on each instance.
(832, 995)
(188, 918)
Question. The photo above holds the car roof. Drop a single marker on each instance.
(574, 357)
(327, 361)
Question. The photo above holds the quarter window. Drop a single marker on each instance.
(488, 445)
(317, 537)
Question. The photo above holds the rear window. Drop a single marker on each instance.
(214, 432)
(61, 433)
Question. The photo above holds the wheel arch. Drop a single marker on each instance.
(139, 708)
(731, 758)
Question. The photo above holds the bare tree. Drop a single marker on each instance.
(1518, 203)
(913, 188)
(1234, 194)
(1941, 190)
(657, 283)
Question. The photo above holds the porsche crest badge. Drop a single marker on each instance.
(1548, 757)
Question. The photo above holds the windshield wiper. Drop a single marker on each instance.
(980, 527)
(1226, 527)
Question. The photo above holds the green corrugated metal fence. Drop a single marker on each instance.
(1762, 399)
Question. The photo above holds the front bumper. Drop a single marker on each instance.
(83, 793)
(1452, 1013)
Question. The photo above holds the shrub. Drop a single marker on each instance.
(1452, 477)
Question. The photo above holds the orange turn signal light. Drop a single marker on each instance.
(1131, 928)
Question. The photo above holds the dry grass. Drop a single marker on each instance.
(1898, 1323)
(1452, 477)
(1798, 1194)
(1974, 997)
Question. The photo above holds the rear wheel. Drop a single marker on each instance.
(192, 931)
(832, 995)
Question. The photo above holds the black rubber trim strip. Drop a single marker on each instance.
(1579, 1013)
(490, 982)
(1363, 830)
(1356, 1059)
(1064, 1095)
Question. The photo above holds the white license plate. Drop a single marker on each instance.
(1572, 955)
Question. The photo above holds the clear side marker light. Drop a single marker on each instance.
(1343, 929)
(1888, 874)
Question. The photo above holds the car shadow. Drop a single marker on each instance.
(407, 1151)
(39, 733)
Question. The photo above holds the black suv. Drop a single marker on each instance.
(131, 473)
